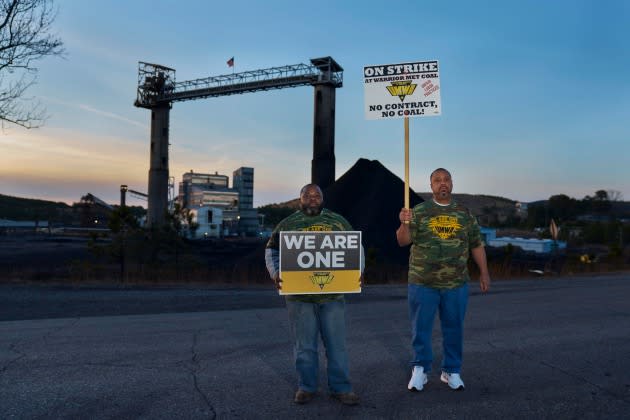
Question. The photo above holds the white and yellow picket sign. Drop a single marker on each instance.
(402, 90)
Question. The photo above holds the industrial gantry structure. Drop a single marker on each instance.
(158, 89)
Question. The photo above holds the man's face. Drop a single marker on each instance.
(442, 186)
(311, 201)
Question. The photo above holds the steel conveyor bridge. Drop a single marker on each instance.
(157, 84)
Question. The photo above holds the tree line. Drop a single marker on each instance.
(598, 219)
(601, 206)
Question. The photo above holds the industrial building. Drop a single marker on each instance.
(539, 246)
(209, 221)
(230, 209)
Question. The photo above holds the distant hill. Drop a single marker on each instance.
(475, 202)
(292, 204)
(16, 208)
(479, 204)
(29, 209)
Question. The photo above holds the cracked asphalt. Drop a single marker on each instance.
(537, 348)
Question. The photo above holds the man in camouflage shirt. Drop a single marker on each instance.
(442, 233)
(313, 315)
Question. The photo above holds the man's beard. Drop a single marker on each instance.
(311, 211)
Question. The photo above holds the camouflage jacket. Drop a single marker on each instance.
(442, 237)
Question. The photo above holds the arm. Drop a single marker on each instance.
(362, 266)
(403, 234)
(361, 250)
(272, 261)
(479, 255)
(362, 259)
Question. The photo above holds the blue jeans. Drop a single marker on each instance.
(308, 321)
(423, 304)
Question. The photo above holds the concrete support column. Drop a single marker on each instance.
(123, 195)
(158, 170)
(323, 164)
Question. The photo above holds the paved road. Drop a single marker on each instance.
(543, 348)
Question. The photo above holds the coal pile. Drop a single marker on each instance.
(370, 197)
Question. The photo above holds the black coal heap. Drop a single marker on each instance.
(370, 197)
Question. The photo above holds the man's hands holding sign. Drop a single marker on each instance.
(278, 281)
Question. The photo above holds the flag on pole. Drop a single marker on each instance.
(230, 62)
(553, 229)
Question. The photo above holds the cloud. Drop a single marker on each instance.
(111, 115)
(62, 164)
(90, 45)
(49, 156)
(96, 111)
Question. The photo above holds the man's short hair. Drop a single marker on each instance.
(311, 186)
(439, 170)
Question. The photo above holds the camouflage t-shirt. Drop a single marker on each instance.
(442, 238)
(326, 221)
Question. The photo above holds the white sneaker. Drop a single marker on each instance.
(453, 380)
(418, 379)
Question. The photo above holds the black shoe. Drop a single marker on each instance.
(346, 398)
(302, 397)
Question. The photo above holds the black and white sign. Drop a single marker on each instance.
(320, 262)
(402, 90)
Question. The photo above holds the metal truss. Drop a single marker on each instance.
(157, 85)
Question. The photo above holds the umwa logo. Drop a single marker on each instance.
(444, 226)
(322, 278)
(401, 89)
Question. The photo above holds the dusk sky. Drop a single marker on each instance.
(535, 95)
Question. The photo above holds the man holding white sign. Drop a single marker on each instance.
(312, 260)
(442, 235)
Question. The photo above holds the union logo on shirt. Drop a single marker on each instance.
(318, 228)
(444, 226)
